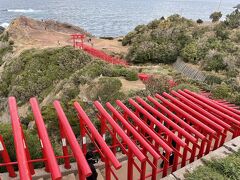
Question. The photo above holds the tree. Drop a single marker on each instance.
(215, 62)
(190, 53)
(149, 51)
(199, 21)
(216, 16)
(233, 20)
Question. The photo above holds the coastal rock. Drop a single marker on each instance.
(26, 22)
(41, 33)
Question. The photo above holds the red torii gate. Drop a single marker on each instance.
(77, 40)
(145, 129)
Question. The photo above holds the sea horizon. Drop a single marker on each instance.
(111, 17)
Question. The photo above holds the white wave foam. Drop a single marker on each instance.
(5, 25)
(23, 10)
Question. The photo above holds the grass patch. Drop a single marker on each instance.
(219, 169)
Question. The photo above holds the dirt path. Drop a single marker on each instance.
(132, 85)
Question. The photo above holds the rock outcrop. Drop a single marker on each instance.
(41, 33)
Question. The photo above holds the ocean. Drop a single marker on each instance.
(111, 17)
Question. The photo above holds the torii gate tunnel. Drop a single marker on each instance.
(158, 135)
(78, 42)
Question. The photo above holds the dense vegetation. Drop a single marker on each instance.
(213, 48)
(160, 41)
(221, 169)
(31, 138)
(6, 46)
(35, 73)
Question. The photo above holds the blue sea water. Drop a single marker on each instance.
(111, 17)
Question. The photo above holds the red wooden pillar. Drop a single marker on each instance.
(64, 148)
(6, 159)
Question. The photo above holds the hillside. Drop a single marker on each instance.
(213, 48)
(37, 59)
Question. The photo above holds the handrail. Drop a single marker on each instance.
(77, 152)
(190, 117)
(158, 124)
(232, 108)
(168, 121)
(120, 132)
(103, 146)
(141, 140)
(173, 116)
(221, 111)
(191, 111)
(140, 123)
(45, 142)
(201, 110)
(23, 166)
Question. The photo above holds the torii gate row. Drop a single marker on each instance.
(158, 134)
(78, 42)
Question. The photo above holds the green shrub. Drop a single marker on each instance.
(190, 53)
(186, 86)
(216, 16)
(106, 89)
(154, 24)
(160, 41)
(96, 68)
(233, 19)
(232, 73)
(3, 51)
(237, 37)
(140, 93)
(237, 99)
(131, 76)
(128, 38)
(222, 33)
(70, 92)
(221, 91)
(149, 51)
(158, 85)
(31, 139)
(140, 28)
(215, 63)
(213, 79)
